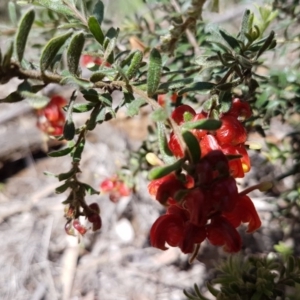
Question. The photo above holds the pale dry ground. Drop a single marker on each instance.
(39, 261)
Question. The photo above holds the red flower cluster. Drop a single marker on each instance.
(91, 212)
(90, 61)
(230, 138)
(115, 187)
(51, 118)
(204, 205)
(202, 200)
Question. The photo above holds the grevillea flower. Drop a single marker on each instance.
(51, 118)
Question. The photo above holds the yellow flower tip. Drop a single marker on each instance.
(153, 160)
(265, 186)
(246, 168)
(254, 146)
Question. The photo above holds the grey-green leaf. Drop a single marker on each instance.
(193, 146)
(159, 172)
(134, 106)
(12, 11)
(56, 6)
(98, 11)
(74, 52)
(22, 33)
(96, 30)
(230, 40)
(135, 64)
(159, 115)
(61, 152)
(154, 72)
(197, 86)
(51, 49)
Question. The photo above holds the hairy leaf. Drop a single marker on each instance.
(74, 52)
(154, 72)
(197, 86)
(51, 49)
(98, 11)
(95, 29)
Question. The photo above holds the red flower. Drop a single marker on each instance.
(220, 232)
(174, 146)
(165, 187)
(231, 132)
(115, 187)
(183, 113)
(244, 212)
(199, 133)
(208, 144)
(240, 109)
(51, 118)
(90, 61)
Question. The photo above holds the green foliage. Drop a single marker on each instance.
(253, 278)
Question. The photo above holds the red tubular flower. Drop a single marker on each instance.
(208, 144)
(178, 115)
(174, 146)
(240, 109)
(199, 133)
(231, 132)
(244, 212)
(161, 99)
(167, 229)
(79, 227)
(165, 187)
(224, 194)
(51, 118)
(194, 202)
(220, 232)
(192, 235)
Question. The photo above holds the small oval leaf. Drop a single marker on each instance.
(208, 124)
(135, 64)
(69, 130)
(193, 146)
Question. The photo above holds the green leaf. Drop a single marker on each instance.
(76, 82)
(74, 52)
(35, 100)
(97, 76)
(22, 33)
(154, 72)
(108, 54)
(212, 290)
(69, 130)
(61, 152)
(245, 24)
(208, 124)
(61, 189)
(228, 85)
(266, 44)
(159, 172)
(134, 106)
(159, 115)
(51, 49)
(7, 57)
(98, 11)
(164, 150)
(12, 98)
(175, 84)
(95, 29)
(197, 86)
(56, 6)
(90, 190)
(65, 176)
(12, 11)
(208, 61)
(230, 40)
(135, 64)
(193, 146)
(78, 151)
(83, 107)
(225, 102)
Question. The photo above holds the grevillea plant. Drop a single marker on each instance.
(202, 86)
